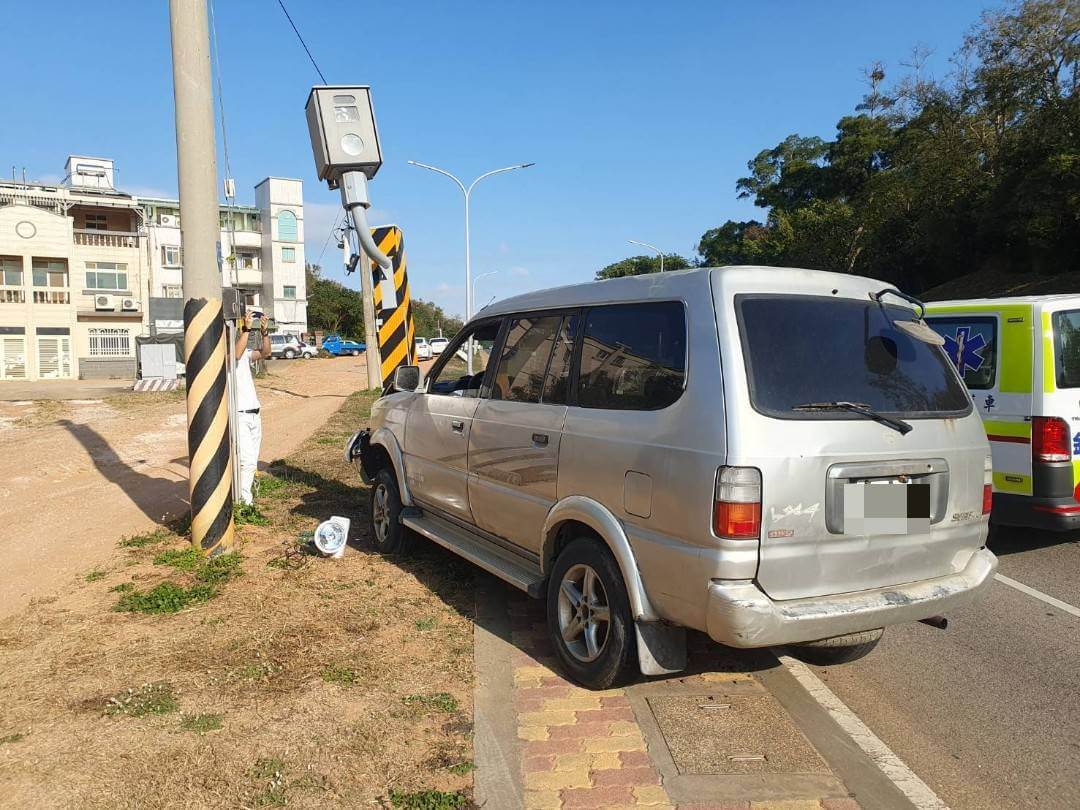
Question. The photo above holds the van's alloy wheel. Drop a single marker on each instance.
(588, 615)
(387, 533)
(584, 615)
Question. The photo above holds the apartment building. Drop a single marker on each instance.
(86, 268)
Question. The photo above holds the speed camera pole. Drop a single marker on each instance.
(209, 442)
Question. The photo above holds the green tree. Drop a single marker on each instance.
(640, 265)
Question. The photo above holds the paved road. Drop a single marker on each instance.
(987, 712)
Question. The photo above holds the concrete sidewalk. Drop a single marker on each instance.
(712, 737)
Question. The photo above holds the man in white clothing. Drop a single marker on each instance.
(248, 421)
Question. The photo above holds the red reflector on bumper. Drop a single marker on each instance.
(988, 498)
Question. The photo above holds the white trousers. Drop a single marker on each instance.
(248, 440)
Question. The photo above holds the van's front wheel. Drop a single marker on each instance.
(588, 615)
(838, 650)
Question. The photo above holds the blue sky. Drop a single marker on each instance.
(639, 115)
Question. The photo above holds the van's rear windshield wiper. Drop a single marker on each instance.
(860, 408)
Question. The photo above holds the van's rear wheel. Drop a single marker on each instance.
(588, 615)
(838, 650)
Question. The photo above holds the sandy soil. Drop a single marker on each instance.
(77, 475)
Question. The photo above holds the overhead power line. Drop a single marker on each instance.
(306, 50)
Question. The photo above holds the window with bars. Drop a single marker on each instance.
(110, 343)
(106, 276)
(172, 291)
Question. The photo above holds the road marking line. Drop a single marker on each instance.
(914, 788)
(1020, 586)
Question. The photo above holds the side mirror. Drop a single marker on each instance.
(406, 378)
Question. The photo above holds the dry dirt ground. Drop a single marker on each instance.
(288, 679)
(75, 475)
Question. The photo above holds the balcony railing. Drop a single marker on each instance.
(51, 296)
(109, 239)
(12, 295)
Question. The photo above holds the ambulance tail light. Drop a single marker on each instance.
(737, 503)
(1049, 439)
(988, 484)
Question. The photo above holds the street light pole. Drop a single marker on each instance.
(467, 191)
(659, 252)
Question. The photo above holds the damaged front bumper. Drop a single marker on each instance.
(741, 615)
(355, 448)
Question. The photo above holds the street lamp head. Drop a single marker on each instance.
(526, 165)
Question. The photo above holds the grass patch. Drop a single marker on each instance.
(269, 486)
(272, 770)
(462, 768)
(146, 539)
(341, 675)
(220, 569)
(248, 514)
(185, 559)
(123, 587)
(428, 800)
(443, 701)
(149, 699)
(95, 575)
(201, 723)
(168, 597)
(12, 738)
(429, 623)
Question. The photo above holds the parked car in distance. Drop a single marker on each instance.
(662, 452)
(342, 348)
(307, 351)
(437, 345)
(287, 346)
(422, 349)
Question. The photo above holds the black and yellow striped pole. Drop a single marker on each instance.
(205, 352)
(397, 332)
(209, 439)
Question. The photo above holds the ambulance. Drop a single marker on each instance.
(1020, 360)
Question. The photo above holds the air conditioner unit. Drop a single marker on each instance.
(129, 305)
(104, 303)
(168, 220)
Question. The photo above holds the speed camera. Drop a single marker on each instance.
(341, 122)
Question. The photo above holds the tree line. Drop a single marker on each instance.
(334, 308)
(928, 180)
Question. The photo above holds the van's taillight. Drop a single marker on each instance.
(737, 503)
(1050, 439)
(988, 484)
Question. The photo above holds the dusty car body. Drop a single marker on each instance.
(700, 449)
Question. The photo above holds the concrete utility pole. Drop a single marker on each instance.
(205, 350)
(371, 330)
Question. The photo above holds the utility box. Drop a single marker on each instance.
(341, 122)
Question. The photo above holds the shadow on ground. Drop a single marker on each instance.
(160, 499)
(1005, 540)
(445, 574)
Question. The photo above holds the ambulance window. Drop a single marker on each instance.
(971, 344)
(1067, 348)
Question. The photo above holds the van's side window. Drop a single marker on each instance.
(633, 356)
(1067, 348)
(451, 372)
(519, 377)
(557, 382)
(971, 344)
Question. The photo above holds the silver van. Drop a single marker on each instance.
(770, 456)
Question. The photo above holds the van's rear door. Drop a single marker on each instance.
(850, 503)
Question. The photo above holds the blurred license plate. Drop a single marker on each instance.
(886, 508)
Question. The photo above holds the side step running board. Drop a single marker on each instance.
(476, 550)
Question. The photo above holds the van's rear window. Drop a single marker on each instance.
(802, 349)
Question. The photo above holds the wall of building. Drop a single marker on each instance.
(276, 197)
